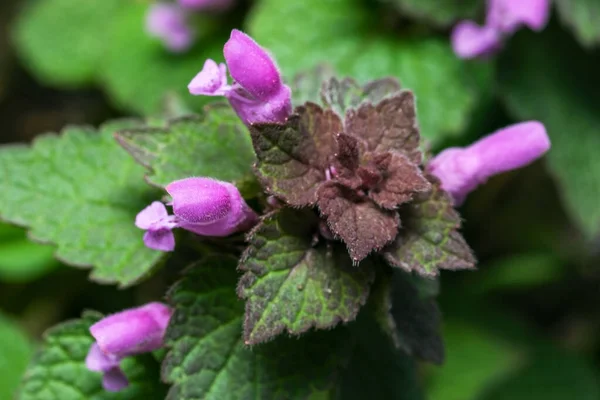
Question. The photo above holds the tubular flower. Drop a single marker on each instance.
(168, 23)
(129, 332)
(205, 206)
(504, 17)
(257, 93)
(461, 170)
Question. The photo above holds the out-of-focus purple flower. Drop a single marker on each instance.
(504, 17)
(169, 23)
(258, 93)
(207, 5)
(462, 169)
(205, 206)
(509, 15)
(470, 40)
(129, 332)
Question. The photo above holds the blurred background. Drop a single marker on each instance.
(526, 325)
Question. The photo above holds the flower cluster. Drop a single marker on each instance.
(127, 333)
(503, 18)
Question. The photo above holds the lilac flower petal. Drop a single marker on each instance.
(200, 200)
(151, 215)
(462, 170)
(168, 22)
(457, 171)
(470, 40)
(211, 81)
(276, 110)
(510, 148)
(161, 240)
(114, 380)
(97, 360)
(207, 5)
(132, 331)
(251, 66)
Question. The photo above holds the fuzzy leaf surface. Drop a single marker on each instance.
(292, 158)
(208, 358)
(388, 125)
(582, 17)
(58, 371)
(345, 94)
(348, 35)
(215, 144)
(292, 285)
(81, 192)
(439, 13)
(359, 222)
(564, 98)
(429, 240)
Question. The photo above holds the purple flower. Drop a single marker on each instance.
(462, 169)
(205, 206)
(168, 23)
(207, 5)
(258, 93)
(134, 331)
(504, 17)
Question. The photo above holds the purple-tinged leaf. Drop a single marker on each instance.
(388, 125)
(293, 158)
(358, 221)
(429, 240)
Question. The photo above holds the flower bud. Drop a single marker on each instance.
(251, 66)
(129, 332)
(258, 94)
(168, 23)
(209, 207)
(133, 331)
(462, 169)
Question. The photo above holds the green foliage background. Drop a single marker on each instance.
(526, 325)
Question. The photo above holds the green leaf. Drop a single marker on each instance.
(58, 370)
(63, 41)
(521, 271)
(429, 240)
(440, 13)
(138, 71)
(550, 375)
(22, 260)
(349, 35)
(581, 16)
(208, 359)
(377, 370)
(417, 320)
(81, 192)
(216, 144)
(307, 84)
(565, 99)
(15, 353)
(475, 359)
(292, 285)
(292, 158)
